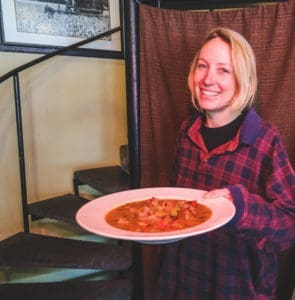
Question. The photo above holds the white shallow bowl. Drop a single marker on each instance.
(91, 216)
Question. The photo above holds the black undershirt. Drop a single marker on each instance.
(214, 137)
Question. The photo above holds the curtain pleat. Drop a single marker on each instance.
(169, 40)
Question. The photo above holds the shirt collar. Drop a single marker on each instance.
(247, 134)
(250, 127)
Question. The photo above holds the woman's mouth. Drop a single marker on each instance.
(209, 93)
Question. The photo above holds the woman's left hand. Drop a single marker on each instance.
(219, 193)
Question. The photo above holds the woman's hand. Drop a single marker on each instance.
(219, 193)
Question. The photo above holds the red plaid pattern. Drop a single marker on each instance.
(237, 261)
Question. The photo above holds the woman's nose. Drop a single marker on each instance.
(209, 78)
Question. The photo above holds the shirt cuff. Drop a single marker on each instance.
(238, 203)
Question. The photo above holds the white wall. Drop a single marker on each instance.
(74, 117)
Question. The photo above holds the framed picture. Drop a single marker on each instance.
(42, 26)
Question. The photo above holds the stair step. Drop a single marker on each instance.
(34, 250)
(74, 290)
(107, 180)
(61, 208)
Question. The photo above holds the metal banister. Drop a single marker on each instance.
(57, 52)
(21, 154)
(17, 99)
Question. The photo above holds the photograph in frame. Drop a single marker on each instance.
(40, 26)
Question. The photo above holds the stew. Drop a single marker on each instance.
(158, 215)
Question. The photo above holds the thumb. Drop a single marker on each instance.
(218, 193)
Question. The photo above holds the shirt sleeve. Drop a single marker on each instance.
(269, 217)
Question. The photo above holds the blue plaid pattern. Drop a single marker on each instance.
(237, 261)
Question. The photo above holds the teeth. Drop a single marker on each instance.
(209, 93)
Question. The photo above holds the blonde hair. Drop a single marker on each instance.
(244, 66)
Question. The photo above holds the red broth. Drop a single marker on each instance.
(158, 215)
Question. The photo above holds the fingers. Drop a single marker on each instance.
(218, 193)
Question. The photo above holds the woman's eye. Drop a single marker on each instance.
(223, 70)
(201, 66)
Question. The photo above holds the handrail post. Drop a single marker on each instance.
(131, 50)
(131, 43)
(21, 154)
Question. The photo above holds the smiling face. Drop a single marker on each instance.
(214, 82)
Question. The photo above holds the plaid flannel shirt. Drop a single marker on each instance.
(239, 260)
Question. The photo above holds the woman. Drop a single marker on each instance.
(228, 150)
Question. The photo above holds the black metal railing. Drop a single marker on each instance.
(14, 74)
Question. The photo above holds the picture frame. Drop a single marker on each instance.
(38, 26)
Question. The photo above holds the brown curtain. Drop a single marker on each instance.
(168, 42)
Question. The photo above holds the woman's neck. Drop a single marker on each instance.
(214, 120)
